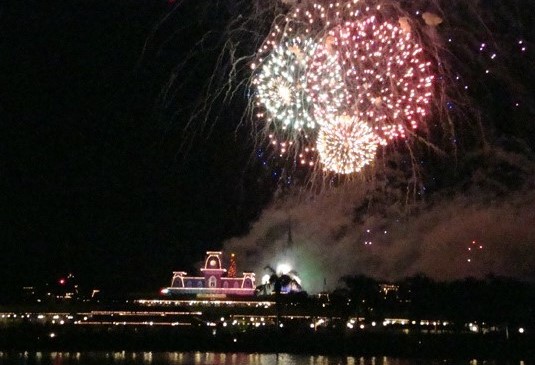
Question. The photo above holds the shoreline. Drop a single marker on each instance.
(268, 340)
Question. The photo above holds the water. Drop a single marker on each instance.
(212, 358)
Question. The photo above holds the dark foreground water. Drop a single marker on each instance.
(213, 358)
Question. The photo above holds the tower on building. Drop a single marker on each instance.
(232, 266)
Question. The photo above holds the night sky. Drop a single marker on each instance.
(94, 181)
(105, 173)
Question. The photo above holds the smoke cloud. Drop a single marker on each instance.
(325, 236)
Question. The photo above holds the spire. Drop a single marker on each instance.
(290, 240)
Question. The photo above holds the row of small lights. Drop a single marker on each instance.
(39, 316)
(235, 322)
(320, 322)
(387, 322)
(197, 302)
(350, 324)
(473, 327)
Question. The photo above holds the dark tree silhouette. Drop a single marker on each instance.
(277, 282)
(364, 293)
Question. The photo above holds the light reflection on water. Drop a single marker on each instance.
(215, 358)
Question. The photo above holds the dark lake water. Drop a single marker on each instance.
(212, 358)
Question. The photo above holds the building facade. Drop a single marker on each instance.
(213, 281)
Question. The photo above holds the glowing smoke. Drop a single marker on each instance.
(330, 238)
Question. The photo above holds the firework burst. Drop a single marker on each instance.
(397, 67)
(389, 82)
(280, 85)
(346, 145)
(329, 60)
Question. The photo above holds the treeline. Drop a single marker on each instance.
(493, 299)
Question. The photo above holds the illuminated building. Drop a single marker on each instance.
(214, 282)
(389, 288)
